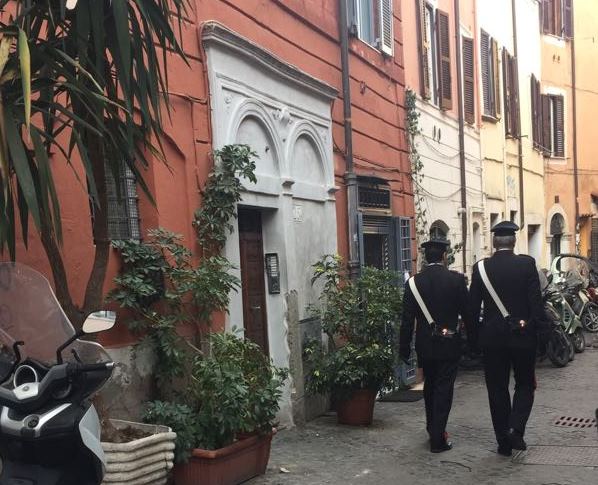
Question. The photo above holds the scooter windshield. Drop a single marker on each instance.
(30, 312)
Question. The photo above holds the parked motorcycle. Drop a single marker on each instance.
(49, 430)
(572, 266)
(577, 302)
(559, 348)
(589, 319)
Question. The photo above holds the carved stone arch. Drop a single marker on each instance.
(307, 131)
(252, 112)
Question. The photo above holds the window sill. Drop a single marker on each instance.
(490, 118)
(556, 160)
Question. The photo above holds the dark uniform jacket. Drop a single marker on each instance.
(516, 281)
(445, 295)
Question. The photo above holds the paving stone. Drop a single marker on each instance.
(395, 450)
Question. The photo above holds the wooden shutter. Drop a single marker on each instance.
(496, 102)
(558, 18)
(534, 112)
(444, 60)
(567, 19)
(485, 65)
(424, 48)
(514, 96)
(547, 7)
(352, 17)
(386, 27)
(539, 118)
(468, 80)
(546, 125)
(506, 90)
(559, 126)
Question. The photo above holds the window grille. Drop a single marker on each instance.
(123, 206)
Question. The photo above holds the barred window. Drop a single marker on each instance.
(123, 206)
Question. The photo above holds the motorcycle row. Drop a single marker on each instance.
(571, 304)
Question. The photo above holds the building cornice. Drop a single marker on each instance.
(215, 34)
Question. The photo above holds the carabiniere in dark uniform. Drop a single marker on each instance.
(509, 342)
(438, 344)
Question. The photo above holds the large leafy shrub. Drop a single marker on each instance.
(359, 318)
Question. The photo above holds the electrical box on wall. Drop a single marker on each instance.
(273, 273)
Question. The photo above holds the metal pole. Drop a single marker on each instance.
(574, 99)
(350, 177)
(461, 134)
(519, 141)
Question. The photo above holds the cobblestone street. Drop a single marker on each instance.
(394, 449)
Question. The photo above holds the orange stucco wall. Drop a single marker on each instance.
(301, 32)
(556, 75)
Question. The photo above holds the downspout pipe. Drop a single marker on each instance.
(574, 102)
(350, 176)
(519, 139)
(461, 134)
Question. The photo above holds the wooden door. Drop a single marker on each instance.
(255, 319)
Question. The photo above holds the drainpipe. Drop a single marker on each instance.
(350, 177)
(461, 134)
(519, 140)
(574, 100)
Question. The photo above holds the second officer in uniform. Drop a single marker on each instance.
(435, 298)
(508, 285)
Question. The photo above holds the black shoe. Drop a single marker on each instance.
(517, 441)
(447, 445)
(505, 450)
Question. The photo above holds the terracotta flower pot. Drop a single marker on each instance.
(358, 410)
(237, 463)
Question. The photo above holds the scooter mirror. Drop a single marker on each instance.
(99, 322)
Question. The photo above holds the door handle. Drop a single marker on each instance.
(256, 308)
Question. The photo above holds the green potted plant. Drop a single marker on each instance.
(359, 318)
(225, 418)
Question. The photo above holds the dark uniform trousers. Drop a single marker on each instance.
(439, 382)
(515, 278)
(445, 295)
(498, 363)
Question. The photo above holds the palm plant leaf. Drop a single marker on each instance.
(93, 73)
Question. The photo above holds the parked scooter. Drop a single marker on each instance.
(559, 349)
(577, 303)
(589, 319)
(49, 430)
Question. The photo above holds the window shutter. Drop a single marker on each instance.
(352, 17)
(496, 78)
(444, 60)
(567, 19)
(507, 91)
(540, 115)
(468, 80)
(546, 125)
(485, 65)
(514, 96)
(547, 16)
(559, 126)
(534, 107)
(424, 48)
(386, 27)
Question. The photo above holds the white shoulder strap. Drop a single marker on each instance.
(420, 301)
(491, 290)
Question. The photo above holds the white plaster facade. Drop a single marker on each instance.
(285, 116)
(438, 146)
(500, 155)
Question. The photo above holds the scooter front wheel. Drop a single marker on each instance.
(558, 349)
(578, 340)
(589, 318)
